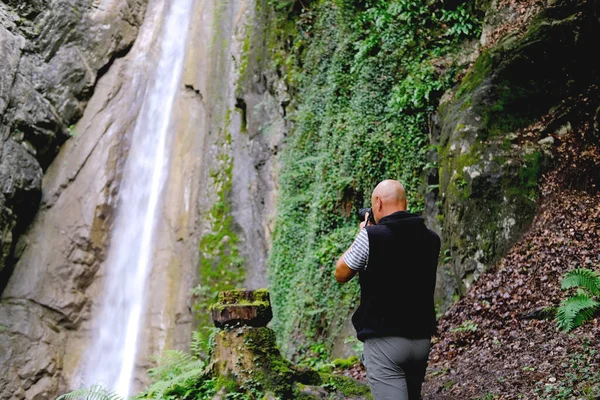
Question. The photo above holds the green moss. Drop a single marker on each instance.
(508, 113)
(347, 386)
(227, 384)
(530, 174)
(344, 363)
(303, 396)
(221, 266)
(480, 71)
(245, 53)
(526, 184)
(466, 103)
(459, 186)
(243, 66)
(259, 297)
(274, 373)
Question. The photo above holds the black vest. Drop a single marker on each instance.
(396, 287)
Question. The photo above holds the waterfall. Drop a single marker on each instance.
(110, 358)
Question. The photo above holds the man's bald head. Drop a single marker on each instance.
(387, 198)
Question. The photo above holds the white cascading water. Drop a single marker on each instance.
(110, 358)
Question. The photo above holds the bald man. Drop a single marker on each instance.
(396, 260)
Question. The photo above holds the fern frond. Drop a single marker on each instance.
(172, 362)
(180, 383)
(95, 392)
(585, 315)
(574, 310)
(196, 347)
(203, 342)
(582, 278)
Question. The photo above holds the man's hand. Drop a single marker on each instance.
(365, 222)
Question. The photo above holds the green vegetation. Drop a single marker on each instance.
(95, 392)
(345, 363)
(72, 132)
(221, 266)
(581, 379)
(178, 376)
(467, 326)
(475, 76)
(345, 385)
(365, 77)
(584, 304)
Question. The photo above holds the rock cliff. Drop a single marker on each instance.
(70, 93)
(497, 130)
(53, 54)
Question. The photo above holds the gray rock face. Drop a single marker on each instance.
(489, 164)
(244, 103)
(53, 56)
(53, 53)
(33, 375)
(20, 184)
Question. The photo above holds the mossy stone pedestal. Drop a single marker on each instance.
(242, 308)
(246, 359)
(245, 352)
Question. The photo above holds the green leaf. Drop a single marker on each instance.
(582, 278)
(575, 310)
(95, 392)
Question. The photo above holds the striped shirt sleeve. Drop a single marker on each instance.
(358, 256)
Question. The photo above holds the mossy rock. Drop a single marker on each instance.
(248, 357)
(345, 363)
(251, 354)
(242, 296)
(488, 176)
(349, 387)
(242, 307)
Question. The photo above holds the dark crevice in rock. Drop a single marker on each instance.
(21, 179)
(7, 271)
(115, 56)
(26, 9)
(240, 104)
(284, 105)
(196, 91)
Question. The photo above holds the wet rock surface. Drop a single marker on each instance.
(55, 56)
(53, 53)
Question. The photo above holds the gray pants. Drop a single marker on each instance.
(396, 367)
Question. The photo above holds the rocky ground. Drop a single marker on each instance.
(495, 343)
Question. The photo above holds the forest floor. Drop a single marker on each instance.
(494, 343)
